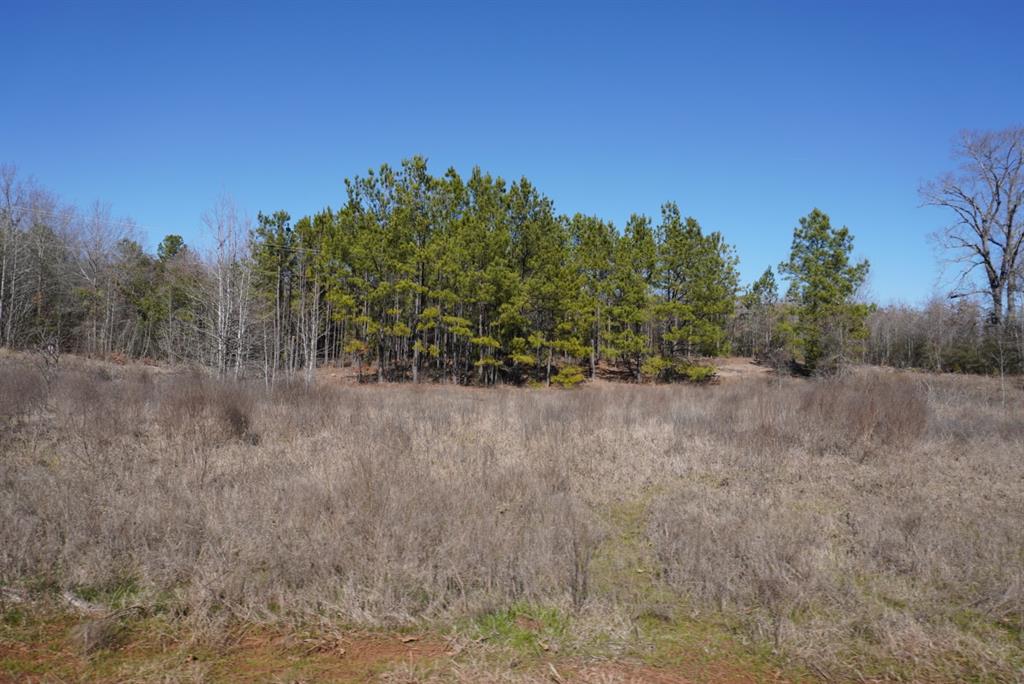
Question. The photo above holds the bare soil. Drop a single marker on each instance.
(46, 650)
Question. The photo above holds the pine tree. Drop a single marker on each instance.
(592, 254)
(697, 283)
(632, 280)
(822, 285)
(274, 278)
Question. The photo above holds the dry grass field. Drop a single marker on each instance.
(163, 526)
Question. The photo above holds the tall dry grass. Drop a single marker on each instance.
(873, 519)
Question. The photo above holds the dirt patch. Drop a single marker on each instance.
(734, 368)
(728, 369)
(349, 657)
(45, 651)
(41, 649)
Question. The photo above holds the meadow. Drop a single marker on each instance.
(864, 527)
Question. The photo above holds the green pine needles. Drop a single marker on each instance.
(477, 280)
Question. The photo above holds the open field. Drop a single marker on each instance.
(160, 525)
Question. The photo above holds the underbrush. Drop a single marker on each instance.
(872, 525)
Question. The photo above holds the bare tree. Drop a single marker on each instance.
(34, 239)
(12, 201)
(985, 194)
(230, 277)
(98, 236)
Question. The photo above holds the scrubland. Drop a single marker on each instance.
(863, 527)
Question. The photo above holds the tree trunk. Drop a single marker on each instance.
(593, 359)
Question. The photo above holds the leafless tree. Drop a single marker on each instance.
(34, 236)
(98, 235)
(985, 194)
(230, 280)
(12, 199)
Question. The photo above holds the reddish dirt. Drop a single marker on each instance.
(252, 655)
(48, 653)
(343, 658)
(529, 624)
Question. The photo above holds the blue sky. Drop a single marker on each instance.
(747, 114)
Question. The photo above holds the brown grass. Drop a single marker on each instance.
(869, 524)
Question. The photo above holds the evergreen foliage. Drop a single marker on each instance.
(480, 281)
(822, 285)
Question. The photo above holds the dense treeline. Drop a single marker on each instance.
(462, 280)
(477, 280)
(949, 336)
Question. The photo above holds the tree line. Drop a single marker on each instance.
(477, 280)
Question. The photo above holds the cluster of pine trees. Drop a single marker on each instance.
(478, 280)
(444, 278)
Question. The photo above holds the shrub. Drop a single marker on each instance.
(234, 405)
(568, 376)
(657, 367)
(660, 368)
(23, 391)
(697, 373)
(864, 413)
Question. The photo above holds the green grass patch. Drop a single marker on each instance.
(118, 592)
(13, 617)
(527, 629)
(624, 569)
(705, 641)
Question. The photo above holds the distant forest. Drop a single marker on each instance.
(480, 281)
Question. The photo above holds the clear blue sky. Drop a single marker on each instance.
(747, 114)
